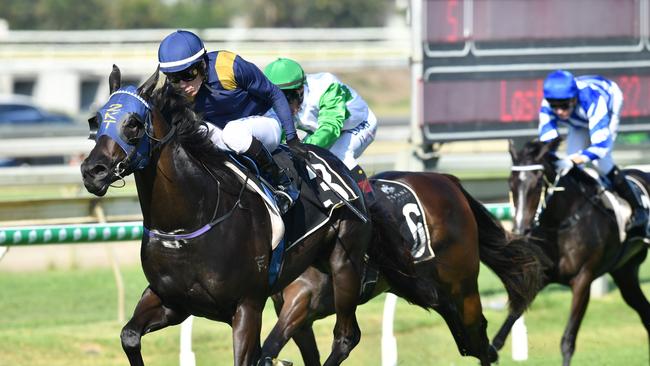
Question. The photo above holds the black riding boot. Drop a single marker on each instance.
(285, 193)
(639, 221)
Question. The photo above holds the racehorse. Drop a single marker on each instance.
(206, 248)
(462, 232)
(576, 232)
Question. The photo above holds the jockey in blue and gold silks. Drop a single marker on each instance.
(244, 110)
(590, 106)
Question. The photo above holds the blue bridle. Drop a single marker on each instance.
(123, 104)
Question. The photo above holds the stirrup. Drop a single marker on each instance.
(283, 200)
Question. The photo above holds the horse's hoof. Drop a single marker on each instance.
(493, 355)
(277, 362)
(268, 361)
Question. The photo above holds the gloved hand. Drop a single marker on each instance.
(298, 149)
(564, 165)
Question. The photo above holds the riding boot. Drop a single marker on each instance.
(359, 176)
(638, 225)
(285, 192)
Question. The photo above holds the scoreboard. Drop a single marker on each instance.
(484, 61)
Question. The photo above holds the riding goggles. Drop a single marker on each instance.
(559, 103)
(185, 75)
(294, 94)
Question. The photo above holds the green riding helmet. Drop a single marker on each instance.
(285, 73)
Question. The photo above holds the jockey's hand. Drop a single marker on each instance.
(298, 149)
(564, 165)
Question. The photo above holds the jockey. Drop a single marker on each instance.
(237, 100)
(590, 106)
(334, 116)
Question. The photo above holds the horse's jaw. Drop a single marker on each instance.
(97, 185)
(97, 190)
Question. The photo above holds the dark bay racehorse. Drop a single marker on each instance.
(462, 232)
(206, 248)
(576, 232)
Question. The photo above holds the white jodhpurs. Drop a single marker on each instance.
(352, 143)
(238, 135)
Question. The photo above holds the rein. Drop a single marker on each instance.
(549, 189)
(156, 234)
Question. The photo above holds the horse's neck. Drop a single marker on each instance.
(566, 202)
(175, 192)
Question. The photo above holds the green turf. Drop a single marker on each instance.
(68, 317)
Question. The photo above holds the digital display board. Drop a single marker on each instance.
(484, 61)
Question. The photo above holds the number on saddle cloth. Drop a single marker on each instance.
(405, 203)
(322, 190)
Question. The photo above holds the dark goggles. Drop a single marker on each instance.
(184, 75)
(559, 103)
(294, 94)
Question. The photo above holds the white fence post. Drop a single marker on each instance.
(599, 287)
(519, 340)
(388, 341)
(187, 357)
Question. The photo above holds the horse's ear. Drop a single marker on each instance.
(555, 143)
(549, 146)
(147, 88)
(115, 79)
(512, 150)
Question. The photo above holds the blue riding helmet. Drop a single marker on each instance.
(560, 84)
(180, 50)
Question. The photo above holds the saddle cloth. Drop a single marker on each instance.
(406, 204)
(322, 190)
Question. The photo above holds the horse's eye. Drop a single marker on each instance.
(133, 130)
(134, 123)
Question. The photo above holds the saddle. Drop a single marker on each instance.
(321, 193)
(620, 207)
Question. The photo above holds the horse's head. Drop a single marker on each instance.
(121, 130)
(531, 166)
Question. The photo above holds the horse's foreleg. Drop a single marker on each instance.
(579, 302)
(627, 280)
(501, 336)
(306, 341)
(149, 315)
(346, 295)
(246, 328)
(291, 316)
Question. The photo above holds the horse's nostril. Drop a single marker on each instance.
(96, 170)
(99, 169)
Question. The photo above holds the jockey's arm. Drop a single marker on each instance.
(332, 113)
(547, 123)
(250, 78)
(599, 133)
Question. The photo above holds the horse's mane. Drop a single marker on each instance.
(194, 138)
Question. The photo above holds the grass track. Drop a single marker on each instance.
(67, 317)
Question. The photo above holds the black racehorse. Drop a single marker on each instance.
(575, 231)
(206, 250)
(462, 233)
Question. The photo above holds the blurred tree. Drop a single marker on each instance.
(137, 14)
(319, 13)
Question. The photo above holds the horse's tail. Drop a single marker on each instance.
(520, 266)
(390, 252)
